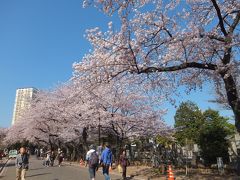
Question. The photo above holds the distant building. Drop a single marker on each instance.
(22, 101)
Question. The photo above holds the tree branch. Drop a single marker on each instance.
(216, 38)
(235, 23)
(208, 66)
(221, 23)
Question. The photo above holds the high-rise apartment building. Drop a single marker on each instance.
(23, 99)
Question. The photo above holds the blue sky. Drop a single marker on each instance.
(40, 40)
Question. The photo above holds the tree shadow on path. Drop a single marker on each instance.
(40, 174)
(128, 178)
(36, 169)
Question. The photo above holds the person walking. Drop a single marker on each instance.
(99, 151)
(106, 161)
(47, 160)
(92, 162)
(124, 162)
(36, 152)
(22, 164)
(60, 158)
(52, 158)
(41, 154)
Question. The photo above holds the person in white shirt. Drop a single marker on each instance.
(92, 162)
(48, 160)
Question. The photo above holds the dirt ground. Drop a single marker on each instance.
(147, 173)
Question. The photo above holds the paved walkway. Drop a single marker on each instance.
(38, 172)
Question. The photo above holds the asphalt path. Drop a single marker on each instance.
(39, 172)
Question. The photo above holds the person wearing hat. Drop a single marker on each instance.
(92, 162)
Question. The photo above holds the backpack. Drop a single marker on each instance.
(93, 160)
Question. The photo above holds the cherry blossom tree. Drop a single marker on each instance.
(114, 108)
(73, 113)
(3, 132)
(221, 97)
(76, 111)
(43, 121)
(14, 134)
(169, 44)
(128, 113)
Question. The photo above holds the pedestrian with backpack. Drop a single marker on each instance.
(106, 161)
(92, 162)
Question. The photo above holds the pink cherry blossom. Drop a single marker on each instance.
(168, 44)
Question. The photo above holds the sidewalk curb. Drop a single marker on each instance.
(3, 166)
(114, 173)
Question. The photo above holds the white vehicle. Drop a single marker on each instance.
(12, 154)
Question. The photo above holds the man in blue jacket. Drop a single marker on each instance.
(106, 161)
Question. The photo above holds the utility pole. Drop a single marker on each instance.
(186, 156)
(99, 131)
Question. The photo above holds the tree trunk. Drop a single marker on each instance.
(234, 102)
(233, 97)
(85, 136)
